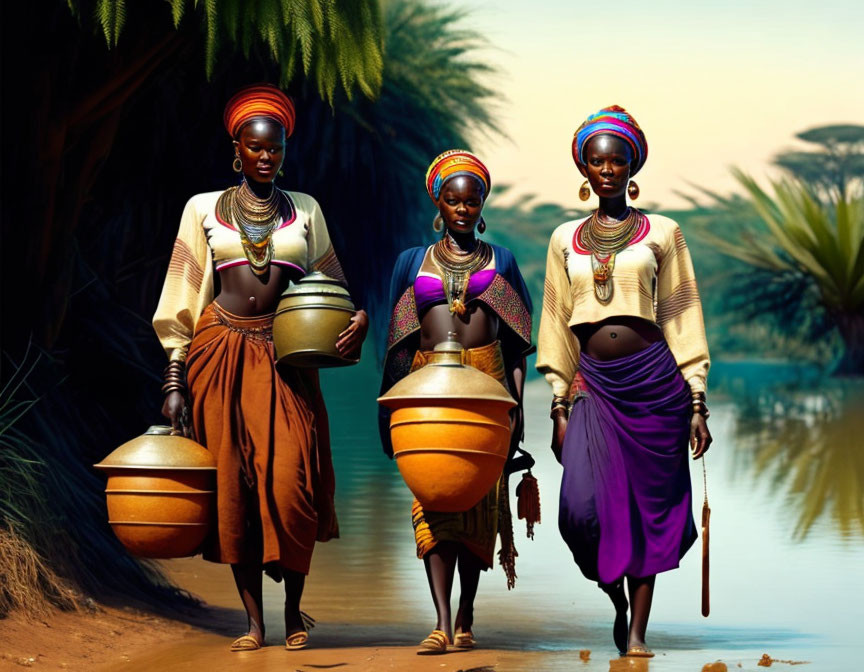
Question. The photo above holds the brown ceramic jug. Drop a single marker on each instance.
(161, 494)
(450, 429)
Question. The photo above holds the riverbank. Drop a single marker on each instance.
(102, 636)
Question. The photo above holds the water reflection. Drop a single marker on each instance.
(777, 425)
(629, 665)
(807, 443)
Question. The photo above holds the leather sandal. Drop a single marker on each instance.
(245, 643)
(638, 651)
(436, 642)
(297, 641)
(464, 640)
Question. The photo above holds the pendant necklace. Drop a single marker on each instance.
(456, 269)
(255, 219)
(604, 241)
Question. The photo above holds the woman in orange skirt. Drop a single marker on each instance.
(266, 427)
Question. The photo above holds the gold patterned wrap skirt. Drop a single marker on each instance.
(268, 432)
(478, 527)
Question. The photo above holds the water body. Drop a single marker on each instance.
(789, 447)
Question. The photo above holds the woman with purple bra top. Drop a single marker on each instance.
(473, 289)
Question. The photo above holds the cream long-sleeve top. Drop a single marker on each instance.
(653, 279)
(206, 243)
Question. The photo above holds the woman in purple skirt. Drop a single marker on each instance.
(622, 342)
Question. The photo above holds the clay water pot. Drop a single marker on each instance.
(161, 494)
(310, 316)
(450, 428)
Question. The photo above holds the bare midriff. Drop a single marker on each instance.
(477, 327)
(616, 336)
(246, 294)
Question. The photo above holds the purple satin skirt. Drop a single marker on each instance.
(625, 505)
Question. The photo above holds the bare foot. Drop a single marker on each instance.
(618, 596)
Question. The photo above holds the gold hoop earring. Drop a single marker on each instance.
(584, 191)
(237, 165)
(481, 226)
(633, 190)
(438, 223)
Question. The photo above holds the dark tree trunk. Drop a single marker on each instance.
(851, 326)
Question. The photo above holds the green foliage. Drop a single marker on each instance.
(22, 500)
(823, 242)
(111, 15)
(428, 66)
(805, 259)
(337, 42)
(835, 169)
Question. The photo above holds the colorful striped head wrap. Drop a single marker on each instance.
(613, 120)
(256, 101)
(453, 163)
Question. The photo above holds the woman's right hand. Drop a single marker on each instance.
(173, 408)
(559, 429)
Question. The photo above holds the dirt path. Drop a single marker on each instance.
(82, 641)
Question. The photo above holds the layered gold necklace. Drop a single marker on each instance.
(604, 241)
(456, 269)
(255, 219)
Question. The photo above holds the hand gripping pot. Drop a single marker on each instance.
(160, 494)
(450, 429)
(310, 316)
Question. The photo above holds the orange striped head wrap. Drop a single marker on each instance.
(452, 163)
(255, 102)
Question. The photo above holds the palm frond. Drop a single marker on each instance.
(338, 42)
(111, 15)
(808, 250)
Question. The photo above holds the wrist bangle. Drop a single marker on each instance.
(701, 408)
(560, 401)
(561, 407)
(174, 378)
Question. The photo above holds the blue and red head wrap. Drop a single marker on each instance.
(612, 120)
(259, 101)
(452, 163)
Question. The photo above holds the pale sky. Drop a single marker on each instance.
(712, 85)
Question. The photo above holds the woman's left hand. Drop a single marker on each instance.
(700, 437)
(351, 340)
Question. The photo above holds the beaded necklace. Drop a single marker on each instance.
(456, 269)
(605, 241)
(255, 220)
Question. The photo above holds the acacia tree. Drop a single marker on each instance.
(834, 169)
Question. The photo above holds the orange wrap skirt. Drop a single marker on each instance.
(268, 431)
(477, 529)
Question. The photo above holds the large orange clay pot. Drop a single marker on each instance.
(450, 429)
(310, 316)
(160, 494)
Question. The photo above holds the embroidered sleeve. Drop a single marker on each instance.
(679, 311)
(508, 305)
(557, 346)
(322, 256)
(188, 285)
